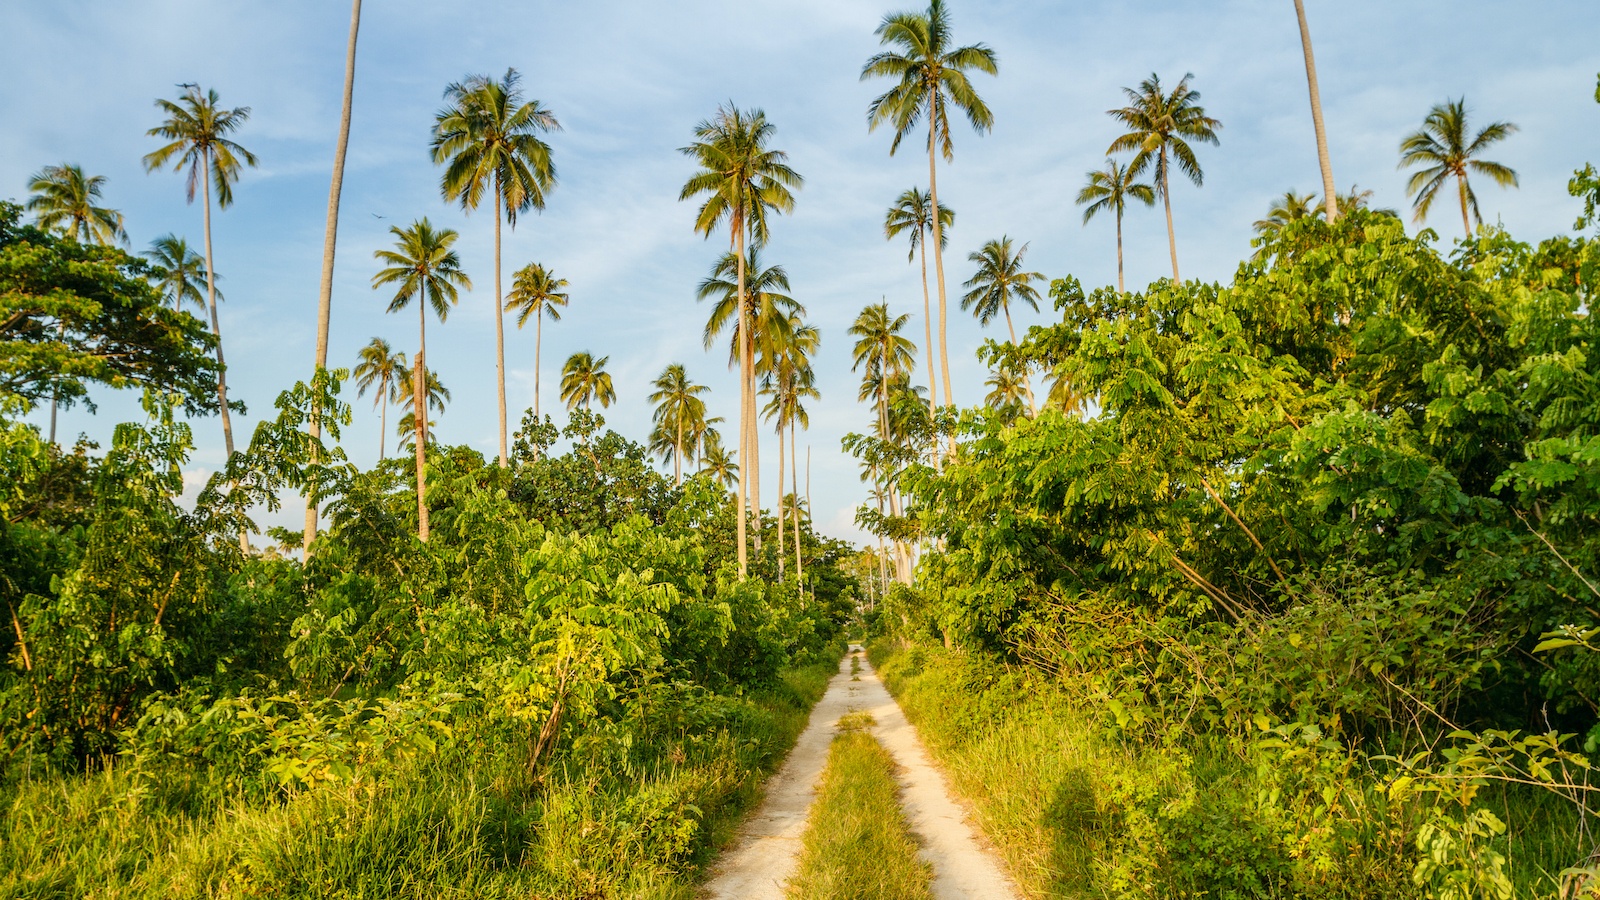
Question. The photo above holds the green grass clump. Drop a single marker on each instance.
(857, 844)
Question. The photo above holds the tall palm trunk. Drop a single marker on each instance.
(538, 347)
(1027, 380)
(794, 488)
(1461, 185)
(927, 336)
(1330, 202)
(55, 395)
(383, 419)
(938, 264)
(419, 415)
(677, 455)
(499, 327)
(754, 418)
(216, 331)
(744, 380)
(780, 505)
(1166, 200)
(1121, 287)
(330, 235)
(902, 561)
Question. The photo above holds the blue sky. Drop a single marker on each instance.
(629, 79)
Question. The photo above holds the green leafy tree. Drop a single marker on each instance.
(1160, 126)
(930, 77)
(64, 200)
(488, 140)
(584, 380)
(178, 272)
(196, 129)
(425, 268)
(678, 408)
(538, 294)
(1110, 189)
(378, 364)
(912, 215)
(1000, 281)
(744, 181)
(1442, 150)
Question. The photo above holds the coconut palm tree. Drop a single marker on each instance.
(381, 365)
(329, 240)
(178, 272)
(1288, 208)
(930, 77)
(912, 215)
(1330, 197)
(488, 140)
(678, 407)
(1000, 279)
(1442, 149)
(882, 353)
(743, 181)
(422, 266)
(788, 375)
(64, 200)
(1160, 126)
(536, 293)
(1007, 392)
(437, 396)
(768, 309)
(584, 380)
(717, 462)
(1110, 189)
(196, 129)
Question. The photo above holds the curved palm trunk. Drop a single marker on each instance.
(938, 268)
(1166, 200)
(1330, 202)
(216, 331)
(744, 381)
(927, 336)
(330, 236)
(1461, 185)
(1027, 380)
(419, 415)
(1121, 287)
(794, 487)
(499, 327)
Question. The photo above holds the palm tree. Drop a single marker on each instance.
(912, 215)
(1110, 189)
(329, 239)
(422, 265)
(1443, 149)
(1330, 198)
(788, 378)
(196, 130)
(584, 379)
(1007, 391)
(536, 293)
(678, 407)
(743, 181)
(64, 201)
(1160, 126)
(768, 310)
(999, 280)
(177, 271)
(381, 365)
(437, 396)
(930, 77)
(883, 354)
(716, 462)
(488, 140)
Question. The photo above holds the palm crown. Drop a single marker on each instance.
(536, 291)
(1160, 126)
(379, 364)
(1110, 189)
(584, 379)
(197, 130)
(930, 76)
(1000, 279)
(178, 271)
(422, 263)
(912, 215)
(487, 138)
(64, 200)
(1442, 150)
(880, 348)
(767, 307)
(742, 179)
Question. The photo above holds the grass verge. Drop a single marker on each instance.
(857, 844)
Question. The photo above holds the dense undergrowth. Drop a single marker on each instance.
(565, 692)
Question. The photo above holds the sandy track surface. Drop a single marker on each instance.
(767, 852)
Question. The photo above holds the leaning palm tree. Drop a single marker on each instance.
(1110, 189)
(64, 200)
(422, 266)
(488, 140)
(744, 181)
(329, 240)
(1330, 197)
(678, 407)
(1442, 148)
(912, 215)
(1000, 279)
(196, 130)
(1160, 126)
(381, 365)
(536, 293)
(930, 77)
(177, 271)
(883, 354)
(437, 396)
(584, 380)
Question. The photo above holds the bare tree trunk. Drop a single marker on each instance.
(744, 381)
(794, 488)
(1121, 287)
(755, 443)
(216, 331)
(1027, 379)
(927, 335)
(780, 505)
(677, 455)
(538, 348)
(499, 327)
(1330, 199)
(383, 418)
(329, 238)
(938, 267)
(419, 413)
(1166, 200)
